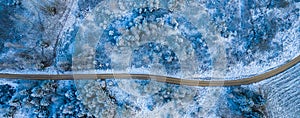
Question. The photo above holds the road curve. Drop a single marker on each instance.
(159, 78)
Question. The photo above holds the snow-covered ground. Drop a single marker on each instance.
(225, 39)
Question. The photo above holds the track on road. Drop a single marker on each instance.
(159, 78)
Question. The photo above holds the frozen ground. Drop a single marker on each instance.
(197, 38)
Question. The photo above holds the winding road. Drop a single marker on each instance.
(159, 78)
